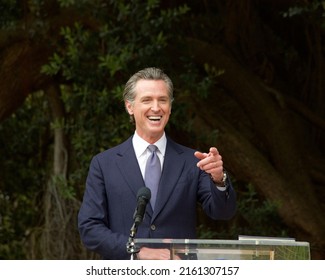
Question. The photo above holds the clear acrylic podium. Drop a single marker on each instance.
(242, 249)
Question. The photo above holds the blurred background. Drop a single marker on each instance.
(249, 79)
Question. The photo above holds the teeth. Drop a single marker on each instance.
(154, 118)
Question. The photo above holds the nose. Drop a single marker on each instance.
(155, 106)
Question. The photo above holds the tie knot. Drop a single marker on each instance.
(152, 148)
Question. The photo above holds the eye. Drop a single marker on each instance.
(163, 100)
(146, 100)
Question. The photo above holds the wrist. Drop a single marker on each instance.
(222, 182)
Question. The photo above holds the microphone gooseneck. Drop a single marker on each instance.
(143, 197)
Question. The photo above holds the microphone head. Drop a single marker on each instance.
(145, 193)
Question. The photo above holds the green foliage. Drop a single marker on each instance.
(10, 11)
(255, 216)
(259, 214)
(315, 10)
(66, 190)
(315, 7)
(116, 45)
(23, 147)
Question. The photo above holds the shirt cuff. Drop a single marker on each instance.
(221, 188)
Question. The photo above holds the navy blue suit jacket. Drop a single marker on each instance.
(106, 214)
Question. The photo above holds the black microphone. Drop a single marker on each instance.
(143, 197)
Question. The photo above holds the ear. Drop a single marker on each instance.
(129, 107)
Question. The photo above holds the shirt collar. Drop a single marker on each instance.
(140, 145)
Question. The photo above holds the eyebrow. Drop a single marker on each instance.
(150, 97)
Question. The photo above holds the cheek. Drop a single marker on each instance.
(167, 116)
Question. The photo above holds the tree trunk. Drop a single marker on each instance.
(20, 67)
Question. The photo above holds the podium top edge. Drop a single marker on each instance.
(259, 241)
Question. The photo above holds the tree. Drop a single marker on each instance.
(243, 80)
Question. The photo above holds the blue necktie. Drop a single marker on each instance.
(152, 173)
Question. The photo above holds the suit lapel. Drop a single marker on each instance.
(129, 167)
(172, 169)
(130, 170)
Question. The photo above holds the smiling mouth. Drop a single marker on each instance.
(155, 118)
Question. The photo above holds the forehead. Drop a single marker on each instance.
(151, 87)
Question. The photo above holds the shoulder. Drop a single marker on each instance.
(180, 149)
(118, 150)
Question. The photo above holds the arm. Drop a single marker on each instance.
(222, 204)
(93, 219)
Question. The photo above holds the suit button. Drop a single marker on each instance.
(153, 227)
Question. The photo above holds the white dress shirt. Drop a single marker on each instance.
(142, 153)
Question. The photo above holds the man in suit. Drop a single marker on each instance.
(187, 177)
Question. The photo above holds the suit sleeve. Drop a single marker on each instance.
(93, 220)
(217, 204)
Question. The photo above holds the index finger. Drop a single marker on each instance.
(214, 151)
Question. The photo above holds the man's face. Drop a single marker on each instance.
(151, 109)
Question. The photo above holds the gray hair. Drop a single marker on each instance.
(150, 73)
